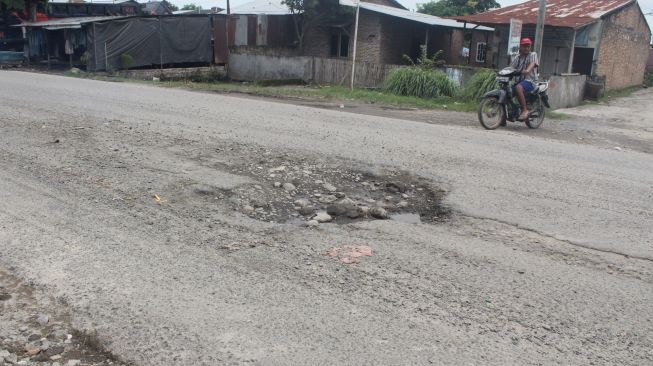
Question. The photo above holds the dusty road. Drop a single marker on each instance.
(154, 217)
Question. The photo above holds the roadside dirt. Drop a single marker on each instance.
(36, 330)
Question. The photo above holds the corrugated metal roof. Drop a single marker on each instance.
(67, 23)
(412, 16)
(559, 13)
(260, 7)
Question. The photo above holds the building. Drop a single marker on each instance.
(606, 40)
(387, 32)
(121, 42)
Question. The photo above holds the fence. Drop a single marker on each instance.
(309, 69)
(256, 66)
(148, 41)
(565, 91)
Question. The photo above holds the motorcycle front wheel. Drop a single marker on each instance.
(491, 114)
(537, 121)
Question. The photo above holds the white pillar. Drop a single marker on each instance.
(353, 56)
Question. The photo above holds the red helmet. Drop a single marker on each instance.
(526, 41)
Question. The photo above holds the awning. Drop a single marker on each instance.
(66, 23)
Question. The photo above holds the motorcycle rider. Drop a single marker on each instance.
(527, 62)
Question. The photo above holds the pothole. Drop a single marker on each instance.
(307, 193)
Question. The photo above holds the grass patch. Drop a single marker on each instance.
(557, 115)
(482, 82)
(621, 93)
(334, 93)
(325, 93)
(421, 83)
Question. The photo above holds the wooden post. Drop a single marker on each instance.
(539, 30)
(27, 32)
(160, 46)
(47, 49)
(95, 40)
(426, 41)
(571, 54)
(471, 42)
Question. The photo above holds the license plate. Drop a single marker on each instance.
(503, 79)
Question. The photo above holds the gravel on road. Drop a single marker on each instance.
(183, 228)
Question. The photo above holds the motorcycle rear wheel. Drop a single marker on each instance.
(491, 114)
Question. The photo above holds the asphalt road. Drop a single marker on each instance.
(547, 257)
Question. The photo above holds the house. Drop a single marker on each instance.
(90, 9)
(254, 27)
(649, 64)
(603, 39)
(156, 8)
(387, 32)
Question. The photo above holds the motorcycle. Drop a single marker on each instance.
(498, 106)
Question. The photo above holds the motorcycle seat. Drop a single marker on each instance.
(540, 87)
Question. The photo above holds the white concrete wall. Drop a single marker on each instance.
(566, 91)
(262, 67)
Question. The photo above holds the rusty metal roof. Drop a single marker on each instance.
(559, 13)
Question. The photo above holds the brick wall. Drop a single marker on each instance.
(317, 41)
(624, 49)
(400, 37)
(481, 37)
(441, 38)
(370, 37)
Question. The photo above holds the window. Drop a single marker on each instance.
(339, 45)
(481, 52)
(335, 42)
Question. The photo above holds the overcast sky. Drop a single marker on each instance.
(647, 5)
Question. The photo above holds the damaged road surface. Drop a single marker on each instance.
(171, 227)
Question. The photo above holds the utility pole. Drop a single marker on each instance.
(539, 31)
(353, 57)
(226, 36)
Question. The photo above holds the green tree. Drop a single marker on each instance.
(191, 7)
(309, 12)
(450, 8)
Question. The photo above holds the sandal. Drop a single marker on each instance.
(523, 116)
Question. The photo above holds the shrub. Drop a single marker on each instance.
(418, 82)
(648, 79)
(424, 61)
(482, 82)
(126, 60)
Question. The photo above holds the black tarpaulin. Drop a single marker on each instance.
(149, 41)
